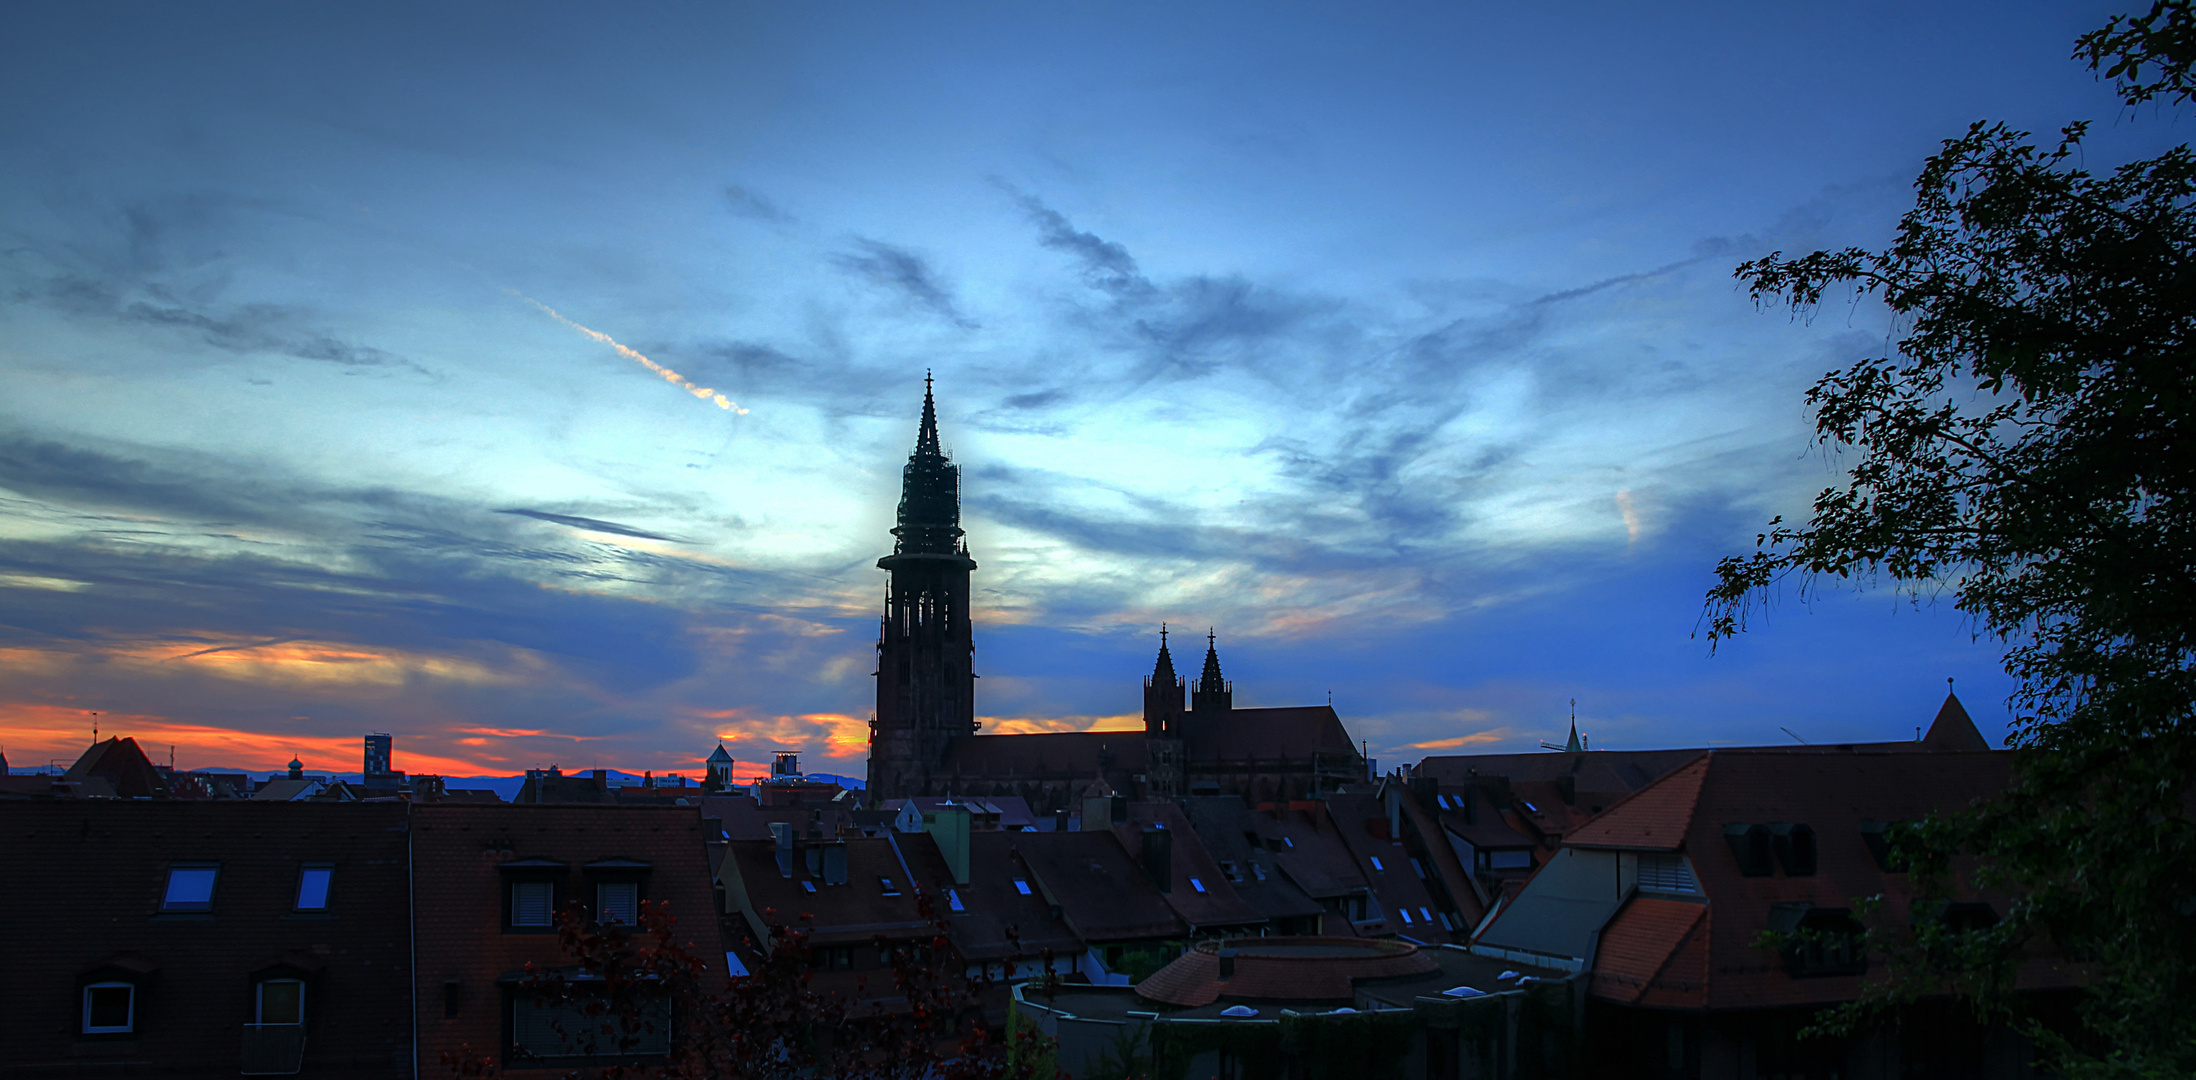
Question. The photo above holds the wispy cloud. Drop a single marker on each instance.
(899, 270)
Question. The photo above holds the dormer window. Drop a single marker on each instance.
(1819, 942)
(280, 1001)
(190, 887)
(312, 886)
(1258, 870)
(1666, 873)
(885, 884)
(1794, 846)
(110, 1008)
(1750, 848)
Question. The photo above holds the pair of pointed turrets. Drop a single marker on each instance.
(1212, 692)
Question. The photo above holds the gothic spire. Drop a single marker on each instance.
(1162, 673)
(1210, 681)
(926, 439)
(930, 492)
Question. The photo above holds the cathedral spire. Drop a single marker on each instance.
(1212, 692)
(926, 439)
(1162, 673)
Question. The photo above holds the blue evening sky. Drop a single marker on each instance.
(532, 380)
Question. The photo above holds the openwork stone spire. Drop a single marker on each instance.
(930, 493)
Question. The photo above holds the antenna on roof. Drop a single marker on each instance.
(1795, 736)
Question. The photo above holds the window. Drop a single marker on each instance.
(1528, 806)
(1376, 863)
(953, 900)
(110, 1008)
(1819, 941)
(1667, 873)
(280, 1001)
(1406, 913)
(617, 902)
(1795, 848)
(312, 887)
(886, 885)
(1021, 886)
(1417, 867)
(1258, 871)
(1425, 914)
(533, 903)
(1197, 885)
(554, 1029)
(190, 888)
(1507, 860)
(1750, 847)
(807, 886)
(1232, 869)
(1291, 843)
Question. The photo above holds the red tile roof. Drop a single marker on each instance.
(1654, 818)
(1638, 943)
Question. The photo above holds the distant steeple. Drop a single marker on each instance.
(1573, 746)
(1212, 692)
(1162, 672)
(1953, 729)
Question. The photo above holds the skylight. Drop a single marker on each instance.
(953, 900)
(312, 888)
(1197, 885)
(1376, 863)
(808, 886)
(1021, 886)
(190, 888)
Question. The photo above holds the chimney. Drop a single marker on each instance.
(1060, 820)
(1102, 812)
(1567, 786)
(783, 831)
(1158, 858)
(834, 858)
(948, 825)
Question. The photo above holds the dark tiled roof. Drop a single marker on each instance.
(1300, 969)
(1053, 755)
(850, 913)
(1303, 841)
(994, 907)
(121, 763)
(1362, 823)
(1216, 903)
(1953, 729)
(86, 881)
(1295, 733)
(1225, 826)
(1102, 894)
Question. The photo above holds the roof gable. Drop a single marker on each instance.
(1654, 818)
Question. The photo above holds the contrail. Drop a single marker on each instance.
(669, 376)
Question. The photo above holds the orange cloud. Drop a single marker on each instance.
(279, 661)
(38, 733)
(1459, 742)
(1024, 725)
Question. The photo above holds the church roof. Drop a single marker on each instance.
(1294, 732)
(1072, 754)
(1210, 679)
(720, 757)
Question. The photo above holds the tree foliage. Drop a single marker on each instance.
(2027, 448)
(771, 1024)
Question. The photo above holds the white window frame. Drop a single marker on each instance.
(86, 1002)
(259, 1002)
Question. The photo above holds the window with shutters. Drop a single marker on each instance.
(543, 1029)
(533, 904)
(1667, 873)
(617, 902)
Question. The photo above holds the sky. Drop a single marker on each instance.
(531, 381)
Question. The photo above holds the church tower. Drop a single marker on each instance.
(1212, 694)
(926, 682)
(1163, 745)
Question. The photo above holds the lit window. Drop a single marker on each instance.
(110, 1008)
(1376, 864)
(281, 1001)
(312, 888)
(1197, 885)
(1021, 886)
(732, 964)
(953, 900)
(1406, 913)
(1425, 914)
(190, 888)
(533, 903)
(617, 901)
(808, 886)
